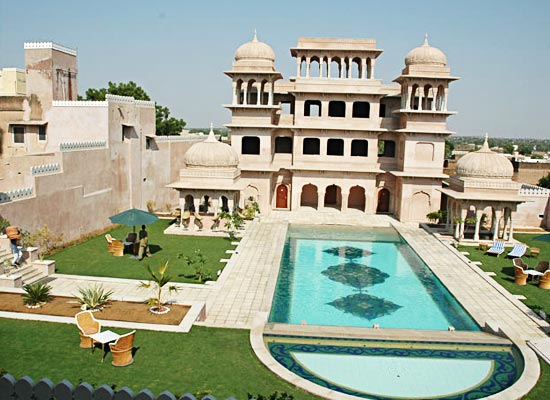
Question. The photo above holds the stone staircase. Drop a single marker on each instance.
(31, 269)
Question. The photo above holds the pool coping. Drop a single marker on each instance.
(525, 383)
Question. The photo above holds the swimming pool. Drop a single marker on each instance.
(383, 369)
(360, 277)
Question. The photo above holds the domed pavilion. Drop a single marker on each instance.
(209, 183)
(482, 184)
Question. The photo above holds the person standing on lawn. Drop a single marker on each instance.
(143, 244)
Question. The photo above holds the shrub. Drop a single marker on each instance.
(94, 297)
(272, 396)
(46, 241)
(36, 294)
(150, 206)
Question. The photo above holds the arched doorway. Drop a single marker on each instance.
(225, 204)
(420, 206)
(282, 197)
(383, 201)
(356, 198)
(333, 197)
(309, 196)
(189, 204)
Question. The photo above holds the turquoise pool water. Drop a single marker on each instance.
(360, 277)
(399, 370)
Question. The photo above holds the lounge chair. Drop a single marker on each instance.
(497, 248)
(517, 251)
(130, 242)
(122, 350)
(544, 282)
(216, 222)
(542, 266)
(87, 325)
(520, 276)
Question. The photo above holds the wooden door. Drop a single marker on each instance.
(282, 196)
(383, 201)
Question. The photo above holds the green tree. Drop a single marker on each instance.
(165, 124)
(449, 147)
(545, 181)
(508, 148)
(525, 149)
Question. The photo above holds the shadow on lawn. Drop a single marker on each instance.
(154, 248)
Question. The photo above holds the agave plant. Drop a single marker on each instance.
(94, 297)
(159, 279)
(36, 294)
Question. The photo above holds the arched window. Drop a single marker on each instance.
(303, 67)
(312, 108)
(324, 67)
(335, 147)
(337, 109)
(283, 144)
(386, 148)
(335, 67)
(333, 196)
(359, 148)
(239, 91)
(356, 68)
(311, 146)
(427, 98)
(356, 198)
(225, 204)
(414, 97)
(314, 67)
(308, 197)
(250, 145)
(382, 110)
(264, 93)
(252, 92)
(440, 98)
(361, 109)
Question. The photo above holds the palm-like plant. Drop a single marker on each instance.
(159, 279)
(94, 298)
(36, 294)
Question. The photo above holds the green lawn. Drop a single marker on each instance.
(537, 299)
(92, 259)
(205, 359)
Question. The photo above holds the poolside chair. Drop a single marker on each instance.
(517, 251)
(520, 276)
(118, 248)
(497, 248)
(109, 239)
(543, 266)
(216, 222)
(544, 282)
(198, 221)
(87, 325)
(122, 350)
(518, 262)
(186, 218)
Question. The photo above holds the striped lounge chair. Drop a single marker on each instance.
(517, 251)
(497, 248)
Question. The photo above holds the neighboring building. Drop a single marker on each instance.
(12, 82)
(336, 137)
(75, 163)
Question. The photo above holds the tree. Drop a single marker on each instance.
(545, 181)
(508, 148)
(166, 125)
(449, 147)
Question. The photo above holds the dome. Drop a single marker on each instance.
(211, 153)
(426, 54)
(255, 50)
(484, 163)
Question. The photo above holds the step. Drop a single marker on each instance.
(37, 276)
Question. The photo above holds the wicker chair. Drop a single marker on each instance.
(87, 325)
(518, 262)
(122, 350)
(544, 282)
(521, 276)
(118, 248)
(542, 266)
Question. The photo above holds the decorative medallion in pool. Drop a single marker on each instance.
(391, 370)
(360, 277)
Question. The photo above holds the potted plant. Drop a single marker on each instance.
(159, 279)
(94, 298)
(36, 294)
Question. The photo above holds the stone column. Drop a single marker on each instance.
(434, 93)
(245, 93)
(320, 200)
(420, 97)
(479, 213)
(197, 203)
(345, 198)
(372, 63)
(215, 205)
(363, 68)
(511, 233)
(308, 60)
(271, 91)
(329, 61)
(463, 213)
(234, 101)
(298, 65)
(445, 91)
(342, 68)
(447, 218)
(258, 93)
(409, 97)
(498, 214)
(505, 217)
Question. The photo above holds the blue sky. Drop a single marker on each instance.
(177, 50)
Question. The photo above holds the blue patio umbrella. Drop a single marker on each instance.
(134, 217)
